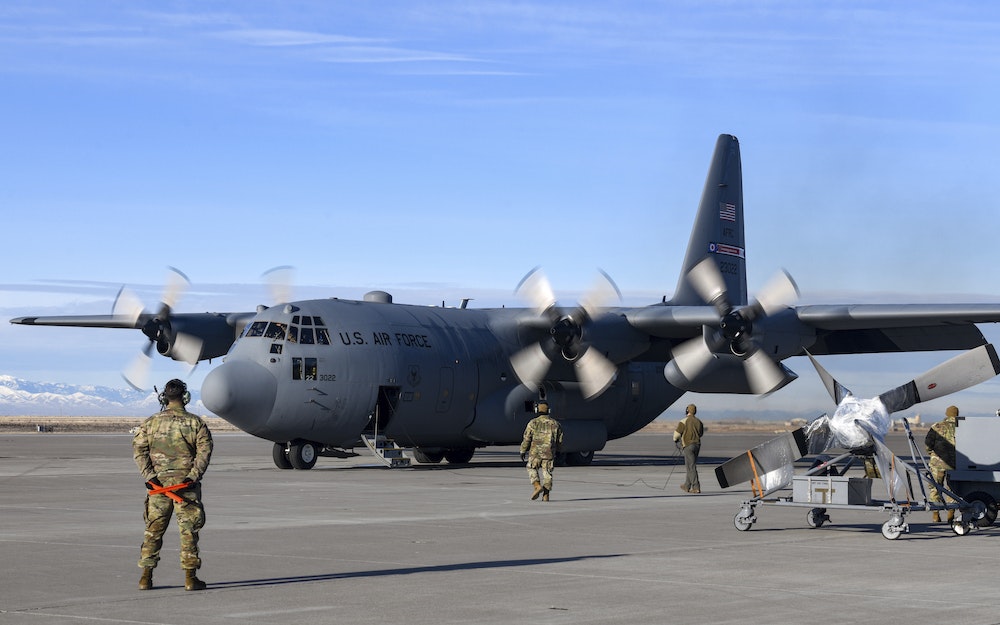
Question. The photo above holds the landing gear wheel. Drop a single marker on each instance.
(743, 520)
(989, 515)
(280, 455)
(302, 455)
(579, 458)
(817, 517)
(424, 456)
(459, 455)
(959, 526)
(892, 528)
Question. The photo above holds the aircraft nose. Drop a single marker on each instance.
(242, 393)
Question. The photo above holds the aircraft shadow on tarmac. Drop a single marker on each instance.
(441, 568)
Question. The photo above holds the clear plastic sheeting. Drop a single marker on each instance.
(853, 426)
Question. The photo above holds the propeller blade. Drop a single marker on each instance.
(967, 369)
(279, 283)
(708, 282)
(128, 305)
(603, 291)
(535, 288)
(763, 374)
(689, 359)
(530, 365)
(187, 348)
(136, 374)
(837, 390)
(176, 284)
(595, 372)
(778, 293)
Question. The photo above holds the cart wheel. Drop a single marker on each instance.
(817, 517)
(989, 504)
(891, 529)
(960, 527)
(743, 520)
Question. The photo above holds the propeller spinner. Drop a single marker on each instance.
(566, 335)
(735, 331)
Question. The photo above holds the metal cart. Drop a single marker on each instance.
(825, 487)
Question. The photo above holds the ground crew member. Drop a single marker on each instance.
(687, 436)
(173, 447)
(940, 443)
(543, 439)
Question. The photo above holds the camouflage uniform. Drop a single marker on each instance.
(940, 443)
(688, 435)
(542, 440)
(173, 445)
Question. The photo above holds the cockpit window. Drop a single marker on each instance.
(306, 336)
(307, 321)
(256, 328)
(322, 336)
(275, 331)
(293, 334)
(318, 321)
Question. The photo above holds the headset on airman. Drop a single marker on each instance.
(174, 389)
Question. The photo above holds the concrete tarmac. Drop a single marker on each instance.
(352, 542)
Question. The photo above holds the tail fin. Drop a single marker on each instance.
(718, 227)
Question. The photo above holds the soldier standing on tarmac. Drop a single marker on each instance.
(172, 448)
(543, 439)
(940, 442)
(687, 436)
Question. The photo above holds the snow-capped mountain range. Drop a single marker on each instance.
(24, 398)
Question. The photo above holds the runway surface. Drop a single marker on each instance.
(350, 542)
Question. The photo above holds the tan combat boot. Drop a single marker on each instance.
(146, 581)
(936, 517)
(538, 490)
(191, 581)
(545, 494)
(951, 516)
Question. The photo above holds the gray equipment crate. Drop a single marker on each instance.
(823, 490)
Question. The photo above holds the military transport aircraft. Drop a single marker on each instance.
(317, 377)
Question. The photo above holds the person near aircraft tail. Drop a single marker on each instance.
(687, 437)
(543, 438)
(940, 443)
(172, 449)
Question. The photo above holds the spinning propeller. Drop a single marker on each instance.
(157, 328)
(735, 332)
(566, 340)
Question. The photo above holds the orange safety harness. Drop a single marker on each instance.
(168, 490)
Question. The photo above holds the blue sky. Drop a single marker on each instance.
(440, 150)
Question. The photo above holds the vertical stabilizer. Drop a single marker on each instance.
(718, 227)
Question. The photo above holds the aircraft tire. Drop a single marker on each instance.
(280, 455)
(579, 458)
(459, 455)
(302, 455)
(424, 456)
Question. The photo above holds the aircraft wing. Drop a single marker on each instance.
(873, 328)
(843, 328)
(84, 321)
(215, 332)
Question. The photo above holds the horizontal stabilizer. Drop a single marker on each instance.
(764, 458)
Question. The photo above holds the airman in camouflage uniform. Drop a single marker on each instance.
(543, 439)
(940, 442)
(172, 447)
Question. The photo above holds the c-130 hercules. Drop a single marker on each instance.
(317, 376)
